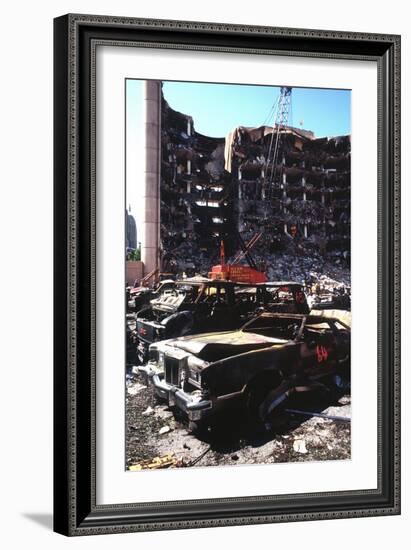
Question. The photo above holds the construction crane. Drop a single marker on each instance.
(280, 123)
(233, 270)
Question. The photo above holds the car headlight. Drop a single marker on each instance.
(195, 366)
(161, 359)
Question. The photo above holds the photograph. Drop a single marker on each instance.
(237, 256)
(226, 213)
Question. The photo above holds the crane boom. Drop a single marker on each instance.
(280, 122)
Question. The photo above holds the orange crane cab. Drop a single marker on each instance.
(236, 272)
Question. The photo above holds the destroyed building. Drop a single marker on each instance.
(213, 189)
(196, 194)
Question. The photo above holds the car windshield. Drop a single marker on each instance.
(281, 295)
(275, 327)
(188, 292)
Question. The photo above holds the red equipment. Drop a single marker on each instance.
(235, 271)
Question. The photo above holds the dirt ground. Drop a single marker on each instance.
(154, 430)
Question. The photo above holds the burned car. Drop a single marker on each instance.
(337, 299)
(192, 306)
(204, 305)
(279, 296)
(257, 367)
(140, 296)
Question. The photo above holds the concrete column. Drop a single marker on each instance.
(150, 243)
(303, 184)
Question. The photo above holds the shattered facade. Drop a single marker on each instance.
(196, 202)
(215, 188)
(305, 196)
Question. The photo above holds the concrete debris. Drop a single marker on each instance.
(299, 446)
(135, 388)
(148, 411)
(164, 430)
(324, 439)
(156, 463)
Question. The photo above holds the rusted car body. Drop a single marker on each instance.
(193, 306)
(258, 366)
(279, 297)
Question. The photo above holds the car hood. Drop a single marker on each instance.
(220, 345)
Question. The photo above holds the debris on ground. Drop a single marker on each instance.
(298, 438)
(165, 461)
(135, 388)
(164, 430)
(299, 446)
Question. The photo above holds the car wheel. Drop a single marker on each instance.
(266, 399)
(200, 428)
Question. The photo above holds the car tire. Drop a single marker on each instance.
(200, 428)
(266, 398)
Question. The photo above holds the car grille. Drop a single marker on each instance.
(171, 370)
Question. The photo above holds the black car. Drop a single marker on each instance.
(256, 367)
(191, 306)
(140, 296)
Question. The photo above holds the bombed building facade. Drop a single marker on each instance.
(294, 204)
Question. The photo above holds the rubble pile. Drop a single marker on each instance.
(213, 189)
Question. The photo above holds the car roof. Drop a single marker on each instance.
(280, 283)
(212, 282)
(309, 319)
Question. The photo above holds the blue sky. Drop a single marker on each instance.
(218, 108)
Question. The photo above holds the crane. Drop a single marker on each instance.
(280, 123)
(233, 270)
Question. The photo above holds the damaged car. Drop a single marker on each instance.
(140, 296)
(191, 306)
(205, 305)
(278, 297)
(257, 367)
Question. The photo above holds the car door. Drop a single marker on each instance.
(318, 348)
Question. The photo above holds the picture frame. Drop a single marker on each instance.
(76, 511)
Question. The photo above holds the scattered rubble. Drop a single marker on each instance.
(164, 430)
(165, 461)
(299, 446)
(135, 388)
(296, 438)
